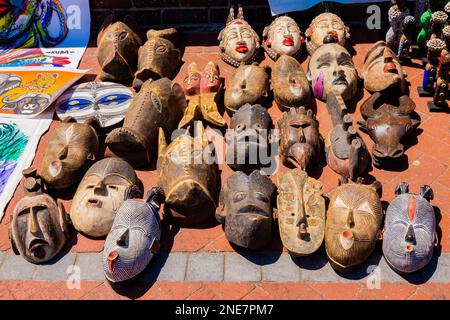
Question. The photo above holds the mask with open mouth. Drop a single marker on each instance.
(300, 143)
(282, 36)
(248, 138)
(239, 43)
(38, 229)
(246, 204)
(133, 240)
(290, 86)
(321, 27)
(249, 84)
(382, 69)
(331, 69)
(70, 152)
(409, 234)
(353, 224)
(117, 50)
(158, 57)
(104, 187)
(188, 175)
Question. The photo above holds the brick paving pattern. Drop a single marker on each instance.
(199, 263)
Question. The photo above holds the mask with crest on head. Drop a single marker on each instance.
(104, 187)
(282, 36)
(239, 43)
(38, 228)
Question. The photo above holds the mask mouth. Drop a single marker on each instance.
(409, 248)
(346, 239)
(241, 47)
(55, 168)
(93, 202)
(340, 80)
(252, 209)
(36, 247)
(390, 67)
(288, 41)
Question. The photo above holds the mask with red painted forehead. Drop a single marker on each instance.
(409, 232)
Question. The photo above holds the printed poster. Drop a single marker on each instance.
(26, 92)
(43, 32)
(19, 140)
(283, 6)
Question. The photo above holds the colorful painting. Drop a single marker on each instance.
(60, 28)
(27, 92)
(34, 57)
(107, 102)
(20, 138)
(12, 146)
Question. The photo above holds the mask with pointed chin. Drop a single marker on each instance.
(353, 224)
(322, 26)
(282, 36)
(105, 186)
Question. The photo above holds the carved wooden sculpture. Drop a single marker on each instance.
(105, 186)
(117, 50)
(38, 228)
(301, 212)
(388, 122)
(406, 39)
(158, 57)
(300, 141)
(160, 103)
(69, 154)
(249, 84)
(438, 21)
(435, 46)
(239, 43)
(323, 26)
(188, 177)
(425, 21)
(331, 69)
(133, 240)
(282, 36)
(409, 234)
(439, 102)
(382, 69)
(248, 138)
(290, 85)
(203, 92)
(353, 224)
(397, 14)
(246, 204)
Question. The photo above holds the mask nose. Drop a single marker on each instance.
(410, 236)
(350, 219)
(33, 224)
(100, 189)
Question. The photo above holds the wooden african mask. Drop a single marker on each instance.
(300, 141)
(117, 50)
(249, 84)
(248, 138)
(133, 239)
(382, 69)
(160, 103)
(239, 43)
(282, 36)
(301, 212)
(103, 189)
(353, 225)
(246, 204)
(189, 176)
(203, 92)
(346, 152)
(38, 228)
(323, 26)
(158, 57)
(290, 85)
(71, 151)
(331, 69)
(388, 122)
(409, 235)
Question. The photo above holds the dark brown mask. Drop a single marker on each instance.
(160, 103)
(117, 51)
(38, 229)
(70, 152)
(246, 204)
(300, 139)
(353, 225)
(188, 177)
(103, 189)
(290, 85)
(301, 212)
(248, 138)
(388, 124)
(249, 84)
(158, 57)
(346, 152)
